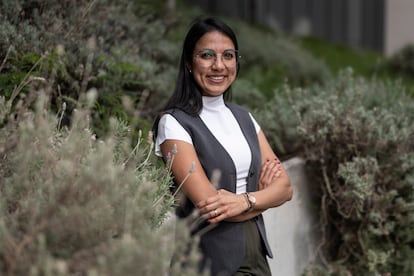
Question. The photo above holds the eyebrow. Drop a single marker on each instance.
(207, 49)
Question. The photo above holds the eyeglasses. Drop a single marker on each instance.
(208, 57)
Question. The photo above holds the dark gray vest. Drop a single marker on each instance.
(223, 246)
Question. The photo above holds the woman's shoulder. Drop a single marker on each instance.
(177, 118)
(180, 115)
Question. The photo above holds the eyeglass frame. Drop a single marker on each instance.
(215, 55)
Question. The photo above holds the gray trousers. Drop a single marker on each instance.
(254, 262)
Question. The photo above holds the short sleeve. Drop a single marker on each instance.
(256, 125)
(170, 128)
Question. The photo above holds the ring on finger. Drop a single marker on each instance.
(216, 213)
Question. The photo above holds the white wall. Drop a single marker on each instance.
(291, 227)
(399, 24)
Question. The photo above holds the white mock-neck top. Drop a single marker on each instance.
(223, 125)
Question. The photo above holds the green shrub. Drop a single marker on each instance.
(402, 61)
(278, 120)
(357, 137)
(118, 47)
(365, 63)
(247, 94)
(74, 204)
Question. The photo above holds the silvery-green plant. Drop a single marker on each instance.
(356, 135)
(73, 203)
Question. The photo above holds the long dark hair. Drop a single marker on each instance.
(187, 95)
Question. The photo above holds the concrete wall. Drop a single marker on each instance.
(399, 23)
(292, 228)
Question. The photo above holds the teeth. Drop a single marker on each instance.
(217, 78)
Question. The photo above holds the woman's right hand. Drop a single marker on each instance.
(271, 170)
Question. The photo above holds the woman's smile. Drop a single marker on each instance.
(216, 79)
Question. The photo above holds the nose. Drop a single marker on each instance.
(218, 62)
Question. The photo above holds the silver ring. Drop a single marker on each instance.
(216, 213)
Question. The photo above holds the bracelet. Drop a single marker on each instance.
(249, 205)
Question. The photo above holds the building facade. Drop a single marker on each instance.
(381, 25)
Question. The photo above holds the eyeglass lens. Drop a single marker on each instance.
(208, 57)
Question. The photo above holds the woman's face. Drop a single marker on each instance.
(214, 63)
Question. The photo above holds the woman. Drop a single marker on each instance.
(212, 135)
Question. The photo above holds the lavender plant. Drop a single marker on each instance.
(72, 203)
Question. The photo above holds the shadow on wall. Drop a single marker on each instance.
(292, 228)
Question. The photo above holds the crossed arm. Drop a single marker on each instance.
(217, 205)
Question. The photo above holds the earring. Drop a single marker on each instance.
(189, 70)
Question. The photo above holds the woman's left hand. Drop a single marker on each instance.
(271, 170)
(221, 206)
